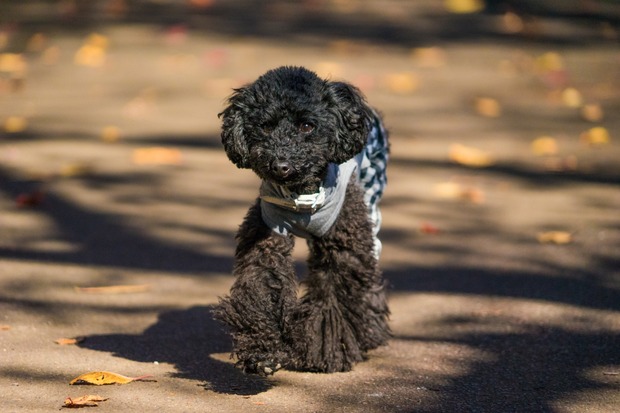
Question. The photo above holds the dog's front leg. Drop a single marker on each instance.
(344, 312)
(262, 297)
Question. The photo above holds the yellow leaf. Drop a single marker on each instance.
(549, 62)
(114, 289)
(555, 237)
(110, 134)
(157, 156)
(13, 63)
(431, 57)
(84, 401)
(571, 97)
(75, 169)
(100, 378)
(595, 136)
(469, 156)
(15, 124)
(402, 83)
(69, 341)
(488, 107)
(464, 6)
(545, 145)
(328, 70)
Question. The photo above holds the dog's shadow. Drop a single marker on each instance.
(188, 339)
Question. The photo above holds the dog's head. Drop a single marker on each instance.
(289, 125)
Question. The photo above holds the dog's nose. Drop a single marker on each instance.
(281, 168)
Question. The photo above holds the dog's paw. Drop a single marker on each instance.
(262, 368)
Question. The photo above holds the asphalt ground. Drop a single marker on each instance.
(501, 232)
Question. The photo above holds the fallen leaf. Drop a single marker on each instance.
(402, 83)
(469, 156)
(69, 341)
(571, 97)
(512, 23)
(84, 401)
(100, 378)
(558, 164)
(595, 136)
(13, 63)
(5, 327)
(544, 145)
(110, 134)
(75, 169)
(455, 190)
(430, 229)
(431, 57)
(157, 156)
(488, 107)
(15, 124)
(464, 6)
(114, 289)
(37, 43)
(555, 237)
(592, 112)
(30, 199)
(328, 70)
(93, 52)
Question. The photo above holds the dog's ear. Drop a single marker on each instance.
(233, 137)
(353, 117)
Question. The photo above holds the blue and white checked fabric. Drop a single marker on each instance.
(372, 174)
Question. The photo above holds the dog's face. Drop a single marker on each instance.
(289, 125)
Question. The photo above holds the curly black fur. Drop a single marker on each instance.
(287, 127)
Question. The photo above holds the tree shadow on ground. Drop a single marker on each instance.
(187, 339)
(527, 371)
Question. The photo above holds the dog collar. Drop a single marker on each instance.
(298, 203)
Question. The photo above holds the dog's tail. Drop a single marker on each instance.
(372, 163)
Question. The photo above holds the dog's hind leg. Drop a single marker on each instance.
(344, 311)
(262, 297)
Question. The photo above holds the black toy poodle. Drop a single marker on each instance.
(321, 153)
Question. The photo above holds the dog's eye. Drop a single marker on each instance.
(267, 128)
(306, 127)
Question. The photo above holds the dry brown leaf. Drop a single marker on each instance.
(555, 237)
(69, 341)
(114, 289)
(544, 145)
(469, 156)
(5, 327)
(84, 401)
(100, 378)
(595, 136)
(157, 156)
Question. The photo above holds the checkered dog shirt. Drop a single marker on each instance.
(313, 215)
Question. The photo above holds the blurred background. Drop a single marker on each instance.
(501, 232)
